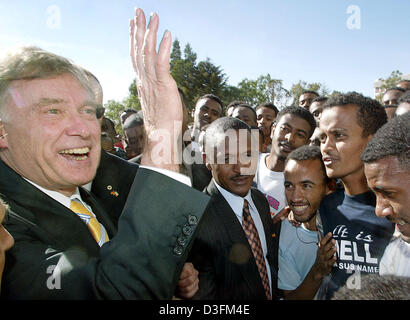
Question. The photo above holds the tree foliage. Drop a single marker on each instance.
(198, 78)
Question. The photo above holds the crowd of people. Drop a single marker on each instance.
(245, 203)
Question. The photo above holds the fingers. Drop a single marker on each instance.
(138, 35)
(327, 247)
(132, 44)
(188, 283)
(164, 54)
(187, 270)
(150, 45)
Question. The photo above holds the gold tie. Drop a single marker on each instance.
(97, 229)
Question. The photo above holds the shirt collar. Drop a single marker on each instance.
(59, 197)
(235, 201)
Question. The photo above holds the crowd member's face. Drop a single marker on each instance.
(135, 138)
(390, 112)
(391, 97)
(316, 109)
(265, 117)
(124, 115)
(53, 135)
(206, 111)
(238, 170)
(289, 133)
(315, 138)
(6, 240)
(305, 100)
(391, 184)
(341, 141)
(305, 187)
(246, 115)
(107, 144)
(402, 108)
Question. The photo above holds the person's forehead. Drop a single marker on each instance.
(316, 105)
(265, 110)
(384, 169)
(392, 93)
(339, 116)
(242, 111)
(307, 96)
(294, 121)
(63, 87)
(304, 169)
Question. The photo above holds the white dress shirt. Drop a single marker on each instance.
(236, 203)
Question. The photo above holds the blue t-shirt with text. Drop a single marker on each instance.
(361, 237)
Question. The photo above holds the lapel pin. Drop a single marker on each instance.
(114, 193)
(273, 235)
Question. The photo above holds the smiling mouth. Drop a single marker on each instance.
(75, 153)
(286, 147)
(297, 209)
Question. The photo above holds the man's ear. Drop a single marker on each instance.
(272, 129)
(3, 137)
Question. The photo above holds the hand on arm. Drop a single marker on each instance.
(157, 91)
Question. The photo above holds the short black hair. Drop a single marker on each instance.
(320, 99)
(220, 126)
(307, 153)
(299, 112)
(212, 97)
(268, 105)
(376, 287)
(405, 97)
(245, 105)
(310, 91)
(370, 113)
(134, 120)
(392, 139)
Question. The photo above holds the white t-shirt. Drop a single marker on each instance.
(396, 259)
(271, 184)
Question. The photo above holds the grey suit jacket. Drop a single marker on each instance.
(55, 256)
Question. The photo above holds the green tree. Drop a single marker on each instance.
(392, 80)
(175, 53)
(209, 79)
(297, 89)
(262, 90)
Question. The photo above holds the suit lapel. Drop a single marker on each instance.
(236, 234)
(48, 218)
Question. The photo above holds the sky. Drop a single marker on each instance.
(345, 45)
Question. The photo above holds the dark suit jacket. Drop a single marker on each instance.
(223, 257)
(141, 261)
(112, 183)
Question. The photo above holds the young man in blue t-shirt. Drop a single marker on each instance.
(347, 124)
(304, 258)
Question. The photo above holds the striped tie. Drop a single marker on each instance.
(253, 238)
(97, 229)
